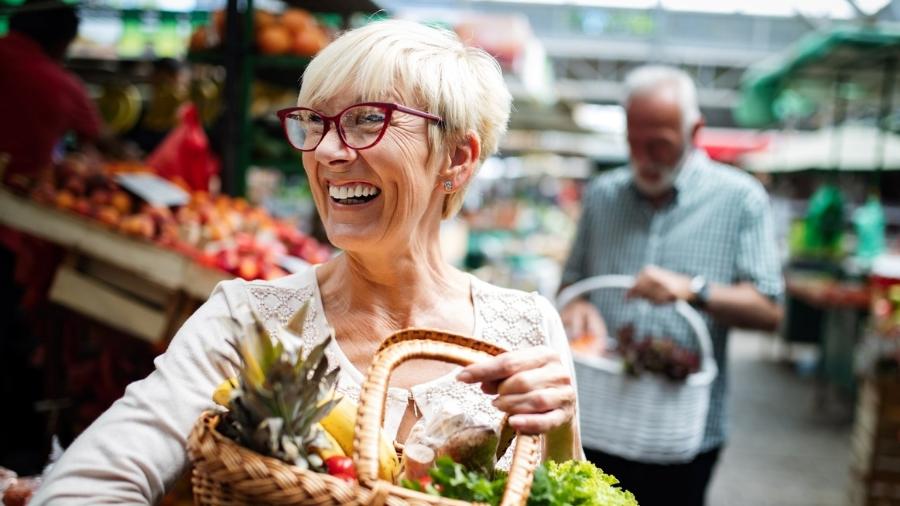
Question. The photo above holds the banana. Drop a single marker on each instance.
(334, 449)
(340, 423)
(222, 394)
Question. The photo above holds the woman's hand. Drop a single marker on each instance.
(532, 385)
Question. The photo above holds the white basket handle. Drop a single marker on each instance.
(693, 318)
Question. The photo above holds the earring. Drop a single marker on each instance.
(448, 185)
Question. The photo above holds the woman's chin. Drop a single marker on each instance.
(352, 238)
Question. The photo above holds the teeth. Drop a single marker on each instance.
(351, 191)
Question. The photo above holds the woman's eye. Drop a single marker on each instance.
(372, 118)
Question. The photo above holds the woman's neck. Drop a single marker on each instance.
(402, 290)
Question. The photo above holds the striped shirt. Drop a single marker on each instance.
(718, 226)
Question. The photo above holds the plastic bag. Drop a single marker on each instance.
(184, 154)
(868, 220)
(468, 440)
(825, 221)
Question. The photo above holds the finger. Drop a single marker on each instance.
(526, 381)
(540, 423)
(490, 387)
(537, 401)
(506, 365)
(596, 326)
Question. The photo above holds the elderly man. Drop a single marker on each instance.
(688, 229)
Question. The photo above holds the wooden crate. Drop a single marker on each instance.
(875, 451)
(128, 284)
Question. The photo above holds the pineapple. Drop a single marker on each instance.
(280, 398)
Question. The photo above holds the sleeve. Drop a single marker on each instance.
(557, 340)
(757, 256)
(84, 118)
(575, 268)
(136, 449)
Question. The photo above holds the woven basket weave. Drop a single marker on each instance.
(226, 474)
(646, 419)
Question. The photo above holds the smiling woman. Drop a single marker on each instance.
(393, 119)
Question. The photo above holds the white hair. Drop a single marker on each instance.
(650, 78)
(427, 68)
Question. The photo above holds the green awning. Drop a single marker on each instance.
(859, 52)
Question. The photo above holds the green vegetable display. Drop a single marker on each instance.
(571, 483)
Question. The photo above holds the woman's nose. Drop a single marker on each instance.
(332, 150)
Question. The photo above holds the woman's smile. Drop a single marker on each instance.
(354, 193)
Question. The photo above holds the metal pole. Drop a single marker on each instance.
(889, 73)
(840, 114)
(234, 44)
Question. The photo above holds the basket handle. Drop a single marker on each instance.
(436, 345)
(693, 318)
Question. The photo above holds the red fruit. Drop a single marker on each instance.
(82, 206)
(121, 201)
(248, 269)
(227, 260)
(108, 215)
(345, 477)
(64, 200)
(340, 465)
(100, 198)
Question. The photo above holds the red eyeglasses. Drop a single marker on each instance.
(359, 126)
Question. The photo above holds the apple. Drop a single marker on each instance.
(108, 215)
(249, 268)
(121, 201)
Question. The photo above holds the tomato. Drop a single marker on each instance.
(340, 466)
(345, 477)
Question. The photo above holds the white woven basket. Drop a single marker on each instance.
(647, 418)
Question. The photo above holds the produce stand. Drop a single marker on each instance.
(831, 314)
(131, 285)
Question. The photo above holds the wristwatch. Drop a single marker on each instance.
(699, 292)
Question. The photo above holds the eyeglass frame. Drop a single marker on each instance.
(389, 108)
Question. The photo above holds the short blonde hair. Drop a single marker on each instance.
(428, 67)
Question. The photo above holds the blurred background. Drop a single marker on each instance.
(192, 182)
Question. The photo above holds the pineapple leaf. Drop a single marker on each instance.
(313, 359)
(295, 324)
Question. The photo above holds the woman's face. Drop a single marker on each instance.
(375, 197)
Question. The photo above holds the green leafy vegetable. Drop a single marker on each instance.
(572, 483)
(576, 483)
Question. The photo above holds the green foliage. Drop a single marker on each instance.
(572, 483)
(280, 398)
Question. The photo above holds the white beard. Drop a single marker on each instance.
(666, 182)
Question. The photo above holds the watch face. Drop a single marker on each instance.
(697, 284)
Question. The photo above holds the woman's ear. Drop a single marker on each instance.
(464, 158)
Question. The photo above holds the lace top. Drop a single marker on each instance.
(137, 447)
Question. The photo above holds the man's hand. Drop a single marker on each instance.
(581, 318)
(660, 286)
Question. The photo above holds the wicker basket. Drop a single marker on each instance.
(648, 418)
(225, 473)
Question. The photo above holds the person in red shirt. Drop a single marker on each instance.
(40, 102)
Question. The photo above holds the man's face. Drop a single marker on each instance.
(657, 141)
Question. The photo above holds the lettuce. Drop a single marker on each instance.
(571, 483)
(576, 483)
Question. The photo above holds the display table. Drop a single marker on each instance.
(830, 313)
(131, 285)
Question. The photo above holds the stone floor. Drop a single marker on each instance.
(787, 446)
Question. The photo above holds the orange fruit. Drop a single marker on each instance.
(274, 39)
